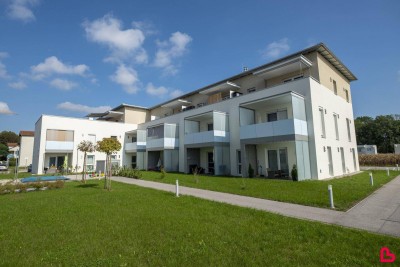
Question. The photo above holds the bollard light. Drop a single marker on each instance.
(330, 191)
(371, 179)
(387, 171)
(177, 188)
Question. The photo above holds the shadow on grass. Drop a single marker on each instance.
(87, 185)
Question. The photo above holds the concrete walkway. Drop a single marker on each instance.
(379, 213)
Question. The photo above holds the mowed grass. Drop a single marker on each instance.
(347, 191)
(133, 226)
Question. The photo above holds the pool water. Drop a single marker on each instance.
(43, 178)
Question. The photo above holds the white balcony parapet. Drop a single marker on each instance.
(134, 147)
(163, 143)
(274, 129)
(59, 146)
(207, 137)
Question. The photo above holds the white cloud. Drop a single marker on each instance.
(175, 47)
(122, 43)
(22, 10)
(82, 108)
(4, 109)
(176, 93)
(3, 69)
(63, 84)
(52, 65)
(156, 91)
(276, 49)
(127, 78)
(17, 85)
(145, 26)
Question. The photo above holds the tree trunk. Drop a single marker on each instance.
(84, 169)
(106, 173)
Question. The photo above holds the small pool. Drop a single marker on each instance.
(43, 178)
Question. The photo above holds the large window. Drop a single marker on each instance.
(348, 129)
(155, 132)
(347, 95)
(60, 135)
(133, 163)
(90, 163)
(277, 115)
(239, 162)
(322, 118)
(335, 119)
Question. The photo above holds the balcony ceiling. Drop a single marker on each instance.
(282, 68)
(220, 88)
(271, 101)
(176, 103)
(201, 117)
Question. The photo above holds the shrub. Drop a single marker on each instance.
(36, 185)
(382, 160)
(251, 171)
(294, 173)
(59, 184)
(163, 172)
(128, 172)
(22, 187)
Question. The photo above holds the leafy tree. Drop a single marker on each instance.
(8, 137)
(383, 131)
(108, 146)
(3, 151)
(85, 147)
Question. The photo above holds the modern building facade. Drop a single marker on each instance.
(293, 111)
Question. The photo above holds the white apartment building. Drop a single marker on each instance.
(293, 111)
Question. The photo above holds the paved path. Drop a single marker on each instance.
(379, 213)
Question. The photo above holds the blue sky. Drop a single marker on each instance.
(70, 58)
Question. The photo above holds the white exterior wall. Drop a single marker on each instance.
(322, 97)
(82, 128)
(26, 151)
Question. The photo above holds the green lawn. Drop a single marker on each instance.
(347, 191)
(133, 226)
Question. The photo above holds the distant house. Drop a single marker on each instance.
(397, 149)
(26, 148)
(367, 149)
(13, 148)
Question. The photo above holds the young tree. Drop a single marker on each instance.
(8, 137)
(85, 147)
(108, 146)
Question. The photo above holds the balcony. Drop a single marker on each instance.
(163, 136)
(135, 146)
(275, 131)
(273, 119)
(59, 146)
(206, 129)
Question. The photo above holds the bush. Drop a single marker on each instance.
(163, 172)
(380, 160)
(294, 173)
(12, 162)
(22, 187)
(128, 172)
(59, 184)
(251, 171)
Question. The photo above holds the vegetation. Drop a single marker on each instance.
(8, 137)
(128, 172)
(347, 191)
(251, 171)
(85, 147)
(3, 151)
(383, 131)
(108, 146)
(11, 187)
(151, 228)
(294, 173)
(382, 160)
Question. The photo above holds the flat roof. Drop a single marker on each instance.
(27, 133)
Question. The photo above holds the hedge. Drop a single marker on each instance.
(381, 160)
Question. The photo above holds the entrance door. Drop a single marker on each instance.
(343, 162)
(329, 150)
(100, 166)
(283, 161)
(210, 159)
(60, 162)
